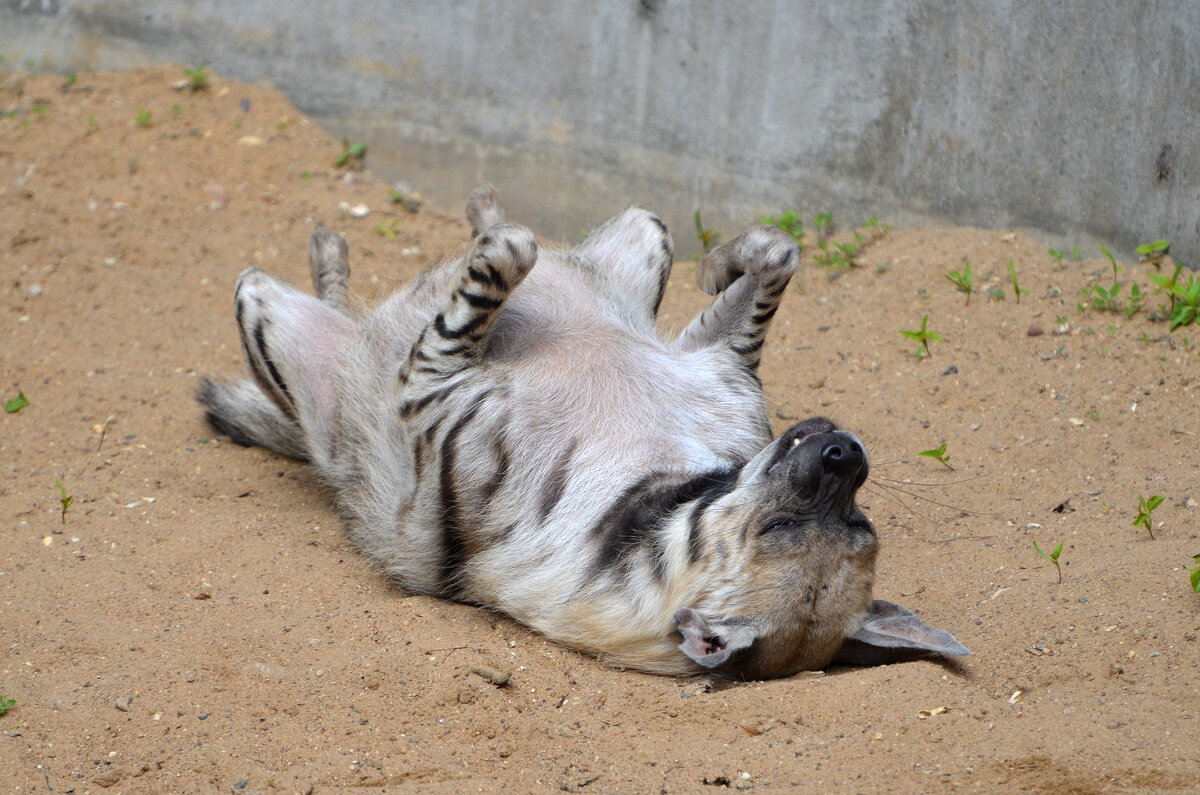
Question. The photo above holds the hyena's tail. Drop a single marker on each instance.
(240, 410)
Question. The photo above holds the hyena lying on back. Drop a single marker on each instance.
(509, 431)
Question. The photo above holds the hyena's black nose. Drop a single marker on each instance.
(843, 456)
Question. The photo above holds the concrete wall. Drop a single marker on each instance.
(1079, 118)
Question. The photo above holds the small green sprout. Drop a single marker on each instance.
(68, 81)
(397, 196)
(789, 222)
(1111, 261)
(197, 79)
(6, 704)
(1154, 252)
(1145, 510)
(176, 110)
(836, 256)
(708, 236)
(924, 336)
(92, 124)
(1196, 574)
(13, 405)
(1012, 278)
(823, 223)
(1056, 255)
(387, 229)
(305, 174)
(355, 152)
(143, 118)
(63, 498)
(938, 454)
(963, 280)
(40, 109)
(1186, 306)
(1052, 557)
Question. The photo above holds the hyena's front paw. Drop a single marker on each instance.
(502, 256)
(765, 252)
(484, 210)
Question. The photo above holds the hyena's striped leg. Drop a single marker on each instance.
(635, 250)
(329, 265)
(753, 270)
(292, 341)
(501, 258)
(484, 210)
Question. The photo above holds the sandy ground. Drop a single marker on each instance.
(199, 624)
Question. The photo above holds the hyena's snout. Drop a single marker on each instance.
(817, 457)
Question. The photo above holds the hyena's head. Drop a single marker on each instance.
(794, 590)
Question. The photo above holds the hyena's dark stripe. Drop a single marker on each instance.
(500, 449)
(723, 483)
(556, 483)
(447, 333)
(667, 254)
(453, 529)
(636, 517)
(271, 380)
(410, 408)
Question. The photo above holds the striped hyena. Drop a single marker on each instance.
(519, 437)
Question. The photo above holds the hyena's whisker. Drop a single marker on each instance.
(888, 495)
(930, 485)
(918, 496)
(510, 431)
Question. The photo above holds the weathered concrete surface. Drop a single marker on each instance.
(1075, 118)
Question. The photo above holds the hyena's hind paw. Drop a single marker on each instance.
(762, 251)
(484, 210)
(240, 410)
(329, 265)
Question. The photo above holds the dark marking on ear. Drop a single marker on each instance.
(486, 240)
(512, 248)
(454, 555)
(556, 483)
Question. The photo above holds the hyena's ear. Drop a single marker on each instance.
(893, 634)
(711, 644)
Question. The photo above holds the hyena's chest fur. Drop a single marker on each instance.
(515, 464)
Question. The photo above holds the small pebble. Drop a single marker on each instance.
(123, 704)
(35, 290)
(496, 677)
(1035, 331)
(216, 194)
